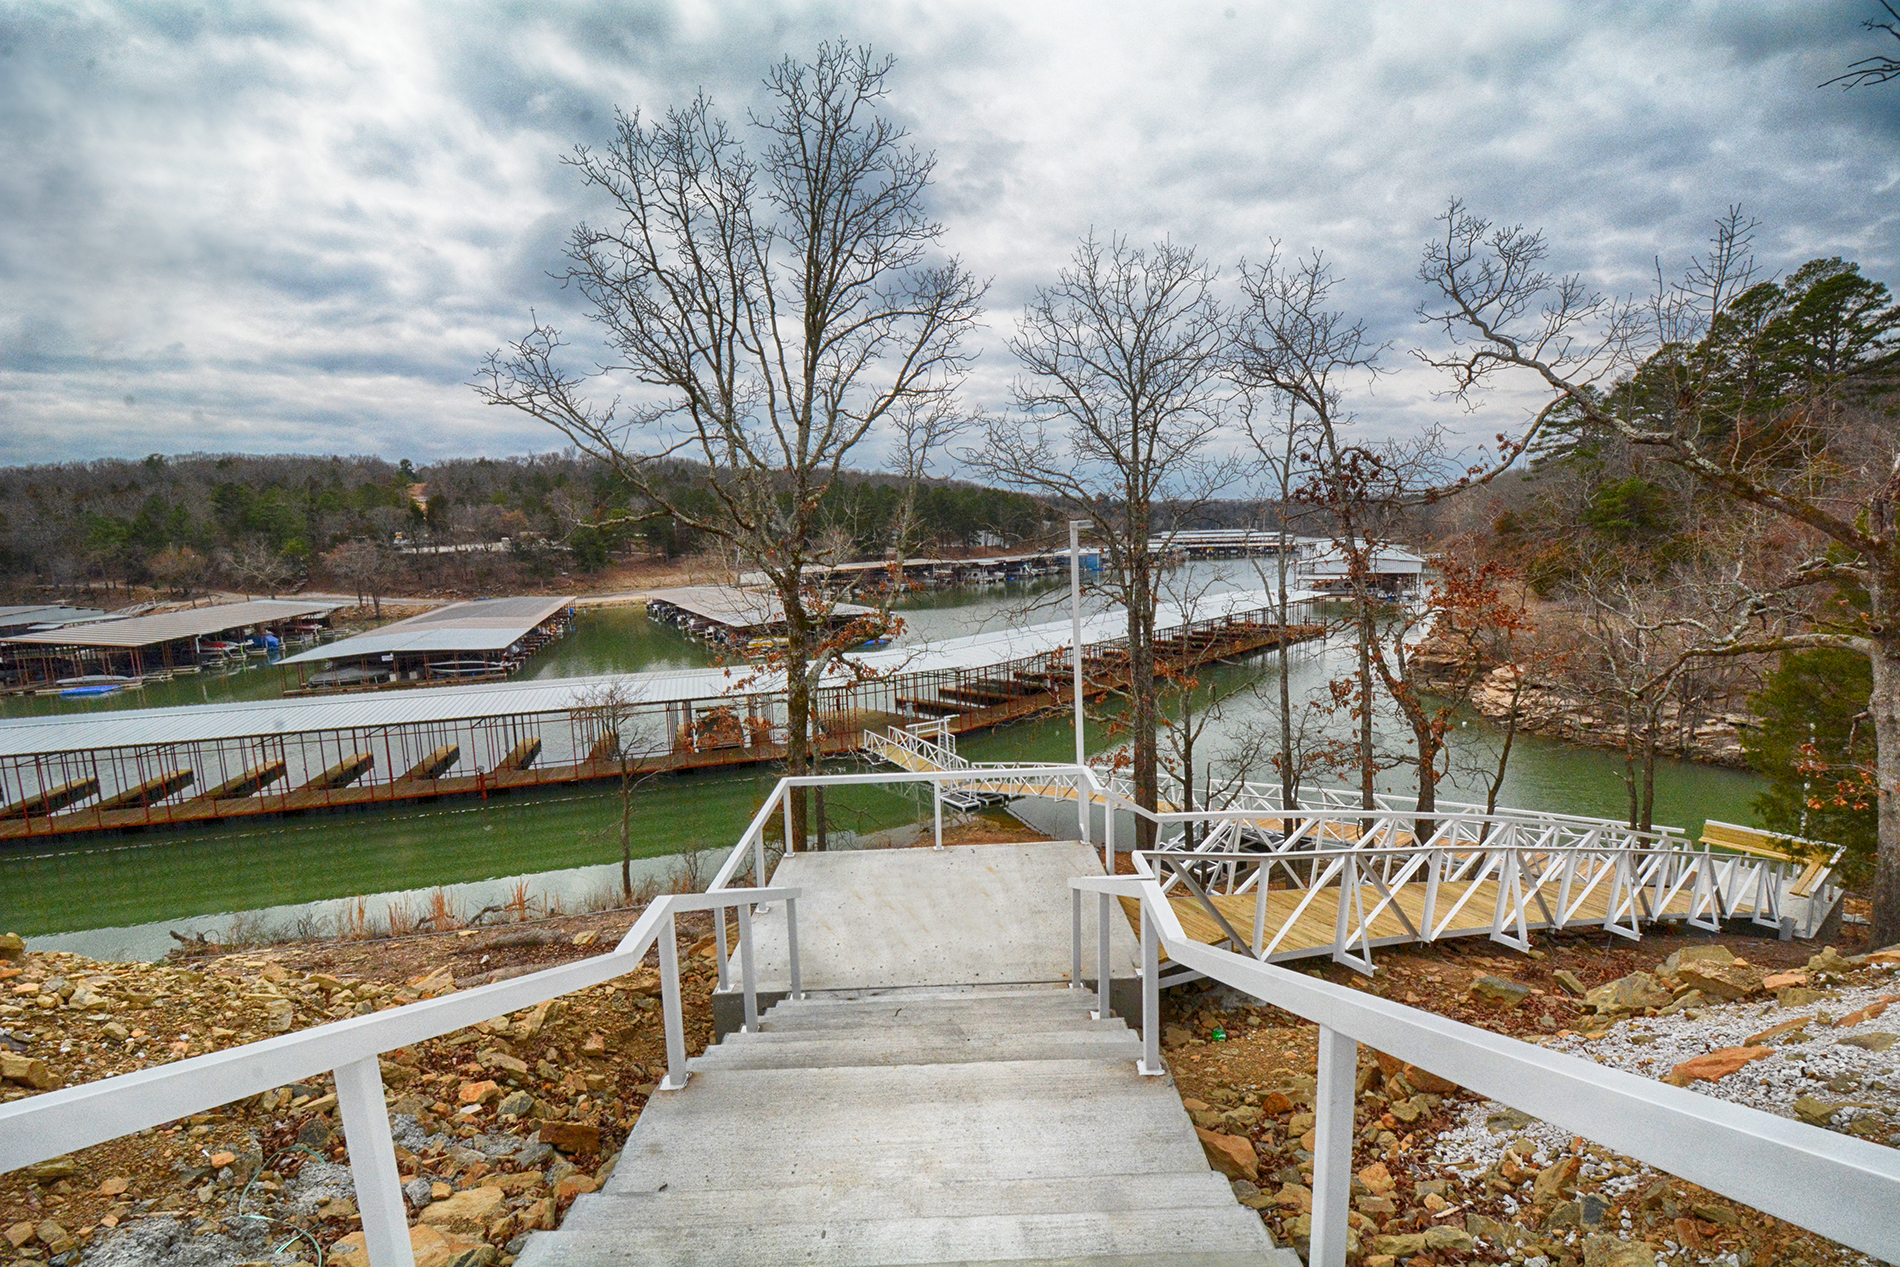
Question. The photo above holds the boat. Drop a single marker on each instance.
(83, 692)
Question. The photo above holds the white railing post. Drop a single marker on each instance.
(791, 945)
(1108, 829)
(359, 1099)
(1150, 996)
(676, 1074)
(1075, 939)
(759, 878)
(747, 982)
(722, 953)
(936, 799)
(785, 799)
(1332, 1147)
(1101, 955)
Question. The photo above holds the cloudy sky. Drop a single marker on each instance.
(298, 227)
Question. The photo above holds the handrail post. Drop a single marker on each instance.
(747, 982)
(1075, 939)
(791, 945)
(359, 1098)
(1108, 830)
(676, 1074)
(1332, 1147)
(1150, 996)
(936, 798)
(759, 878)
(785, 800)
(722, 953)
(1101, 955)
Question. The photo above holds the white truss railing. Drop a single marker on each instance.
(1533, 869)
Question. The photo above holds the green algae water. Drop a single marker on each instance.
(85, 893)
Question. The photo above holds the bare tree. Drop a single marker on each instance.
(608, 712)
(254, 564)
(1502, 311)
(1121, 396)
(1298, 352)
(1879, 68)
(777, 308)
(363, 565)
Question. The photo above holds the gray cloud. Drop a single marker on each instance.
(278, 227)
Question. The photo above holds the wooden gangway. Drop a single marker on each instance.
(1328, 877)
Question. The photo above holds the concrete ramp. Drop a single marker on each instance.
(960, 915)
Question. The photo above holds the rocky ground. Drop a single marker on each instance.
(1445, 1177)
(501, 1126)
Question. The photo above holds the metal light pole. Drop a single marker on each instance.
(1075, 656)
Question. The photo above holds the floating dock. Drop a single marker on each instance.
(140, 768)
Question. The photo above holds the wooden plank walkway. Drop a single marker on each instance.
(1315, 932)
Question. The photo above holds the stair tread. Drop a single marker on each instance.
(888, 1241)
(909, 1197)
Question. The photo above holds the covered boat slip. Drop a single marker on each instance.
(483, 640)
(288, 755)
(136, 646)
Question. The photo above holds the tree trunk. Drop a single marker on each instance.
(1884, 704)
(1141, 686)
(1187, 764)
(626, 831)
(797, 711)
(1368, 771)
(1289, 776)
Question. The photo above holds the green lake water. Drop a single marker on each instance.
(86, 893)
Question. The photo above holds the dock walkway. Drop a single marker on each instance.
(939, 1095)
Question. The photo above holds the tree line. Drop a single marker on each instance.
(1709, 474)
(266, 523)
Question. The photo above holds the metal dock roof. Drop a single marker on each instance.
(208, 722)
(192, 622)
(488, 624)
(738, 607)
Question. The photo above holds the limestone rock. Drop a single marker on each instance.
(1231, 1155)
(1672, 966)
(1570, 981)
(1377, 1178)
(577, 1137)
(28, 1071)
(1869, 1042)
(485, 1092)
(1502, 991)
(1799, 996)
(1632, 993)
(1715, 1065)
(472, 1209)
(1454, 1239)
(1554, 1180)
(12, 946)
(1871, 1012)
(517, 1104)
(1614, 1251)
(1406, 1245)
(1735, 980)
(1812, 1111)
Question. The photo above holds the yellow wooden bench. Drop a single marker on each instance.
(1783, 848)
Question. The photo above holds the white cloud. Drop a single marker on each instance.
(300, 227)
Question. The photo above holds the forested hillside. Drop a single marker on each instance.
(262, 523)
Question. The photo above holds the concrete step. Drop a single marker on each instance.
(1156, 1235)
(935, 1026)
(994, 998)
(777, 1022)
(1001, 1120)
(906, 1197)
(908, 1049)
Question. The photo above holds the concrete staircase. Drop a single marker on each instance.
(938, 1125)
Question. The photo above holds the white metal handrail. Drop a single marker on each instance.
(1839, 1186)
(57, 1122)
